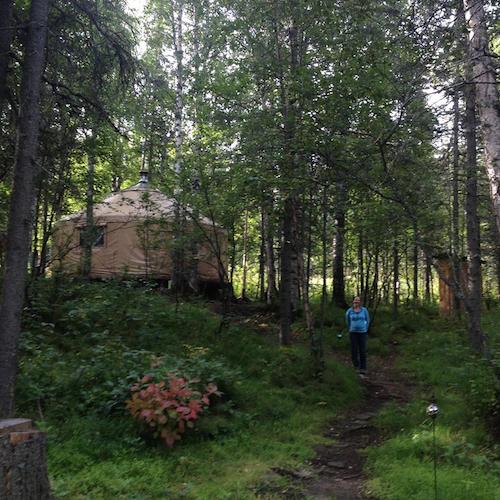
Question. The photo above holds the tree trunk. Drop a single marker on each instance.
(366, 277)
(473, 297)
(338, 247)
(497, 267)
(6, 32)
(271, 289)
(89, 232)
(286, 275)
(496, 256)
(23, 461)
(360, 280)
(308, 229)
(26, 170)
(386, 285)
(194, 238)
(395, 278)
(376, 276)
(179, 274)
(289, 287)
(324, 289)
(34, 241)
(55, 211)
(296, 258)
(304, 292)
(415, 265)
(487, 98)
(407, 271)
(46, 227)
(428, 273)
(455, 238)
(177, 33)
(262, 259)
(245, 257)
(232, 259)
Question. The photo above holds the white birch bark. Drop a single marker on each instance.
(179, 75)
(179, 277)
(486, 95)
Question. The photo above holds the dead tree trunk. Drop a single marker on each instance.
(26, 170)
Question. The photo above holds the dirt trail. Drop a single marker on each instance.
(337, 469)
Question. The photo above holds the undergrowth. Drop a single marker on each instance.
(83, 346)
(435, 356)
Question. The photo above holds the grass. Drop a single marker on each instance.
(436, 357)
(84, 343)
(207, 469)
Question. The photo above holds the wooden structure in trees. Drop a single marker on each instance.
(133, 238)
(447, 296)
(23, 461)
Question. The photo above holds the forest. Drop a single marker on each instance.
(192, 193)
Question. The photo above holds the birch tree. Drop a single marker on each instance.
(487, 98)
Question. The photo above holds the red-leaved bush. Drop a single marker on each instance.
(170, 406)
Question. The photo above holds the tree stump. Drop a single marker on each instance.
(23, 461)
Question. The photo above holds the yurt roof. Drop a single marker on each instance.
(139, 201)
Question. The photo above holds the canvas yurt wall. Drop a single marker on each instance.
(133, 238)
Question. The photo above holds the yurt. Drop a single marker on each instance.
(133, 235)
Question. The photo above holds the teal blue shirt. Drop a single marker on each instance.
(357, 321)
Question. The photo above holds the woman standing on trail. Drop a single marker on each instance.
(358, 321)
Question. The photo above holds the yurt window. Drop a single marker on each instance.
(99, 234)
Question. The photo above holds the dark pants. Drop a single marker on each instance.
(358, 349)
